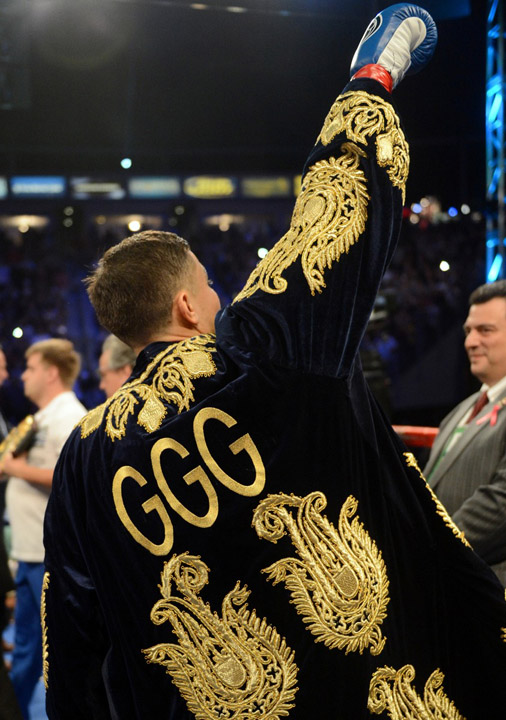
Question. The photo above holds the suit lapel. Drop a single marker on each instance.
(467, 437)
(446, 431)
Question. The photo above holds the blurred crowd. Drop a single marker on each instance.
(424, 292)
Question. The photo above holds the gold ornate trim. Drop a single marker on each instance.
(361, 116)
(173, 371)
(391, 690)
(20, 438)
(329, 216)
(338, 582)
(43, 620)
(440, 508)
(235, 666)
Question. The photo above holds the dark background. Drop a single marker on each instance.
(180, 89)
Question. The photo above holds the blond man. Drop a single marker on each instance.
(52, 367)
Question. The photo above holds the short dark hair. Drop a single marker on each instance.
(134, 285)
(60, 353)
(487, 292)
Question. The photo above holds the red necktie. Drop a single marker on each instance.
(478, 406)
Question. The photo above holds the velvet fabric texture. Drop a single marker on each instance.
(255, 470)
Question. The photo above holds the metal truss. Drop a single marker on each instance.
(496, 266)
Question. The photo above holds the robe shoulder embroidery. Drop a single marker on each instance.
(329, 217)
(392, 691)
(338, 581)
(235, 666)
(168, 380)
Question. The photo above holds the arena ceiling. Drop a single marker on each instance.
(223, 86)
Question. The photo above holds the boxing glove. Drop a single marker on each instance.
(398, 40)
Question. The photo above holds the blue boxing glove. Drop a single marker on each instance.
(398, 40)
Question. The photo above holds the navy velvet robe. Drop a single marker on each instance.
(238, 533)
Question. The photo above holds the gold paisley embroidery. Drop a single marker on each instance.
(173, 371)
(91, 420)
(361, 116)
(329, 216)
(235, 667)
(339, 582)
(440, 508)
(392, 691)
(43, 618)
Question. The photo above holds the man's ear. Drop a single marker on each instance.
(183, 310)
(52, 373)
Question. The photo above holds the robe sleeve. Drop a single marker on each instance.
(307, 303)
(74, 645)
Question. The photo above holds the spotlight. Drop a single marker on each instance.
(126, 163)
(495, 269)
(17, 332)
(262, 252)
(444, 266)
(134, 226)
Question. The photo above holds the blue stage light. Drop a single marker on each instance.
(495, 269)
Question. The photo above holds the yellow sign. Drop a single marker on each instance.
(210, 187)
(265, 187)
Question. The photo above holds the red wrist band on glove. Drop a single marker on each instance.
(376, 72)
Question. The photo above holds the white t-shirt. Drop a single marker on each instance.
(26, 502)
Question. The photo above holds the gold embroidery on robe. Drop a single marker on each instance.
(362, 116)
(173, 370)
(338, 582)
(392, 691)
(329, 216)
(91, 420)
(235, 666)
(43, 618)
(440, 508)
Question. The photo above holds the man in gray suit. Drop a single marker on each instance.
(467, 464)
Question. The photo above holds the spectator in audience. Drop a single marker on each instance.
(9, 708)
(51, 369)
(467, 464)
(115, 364)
